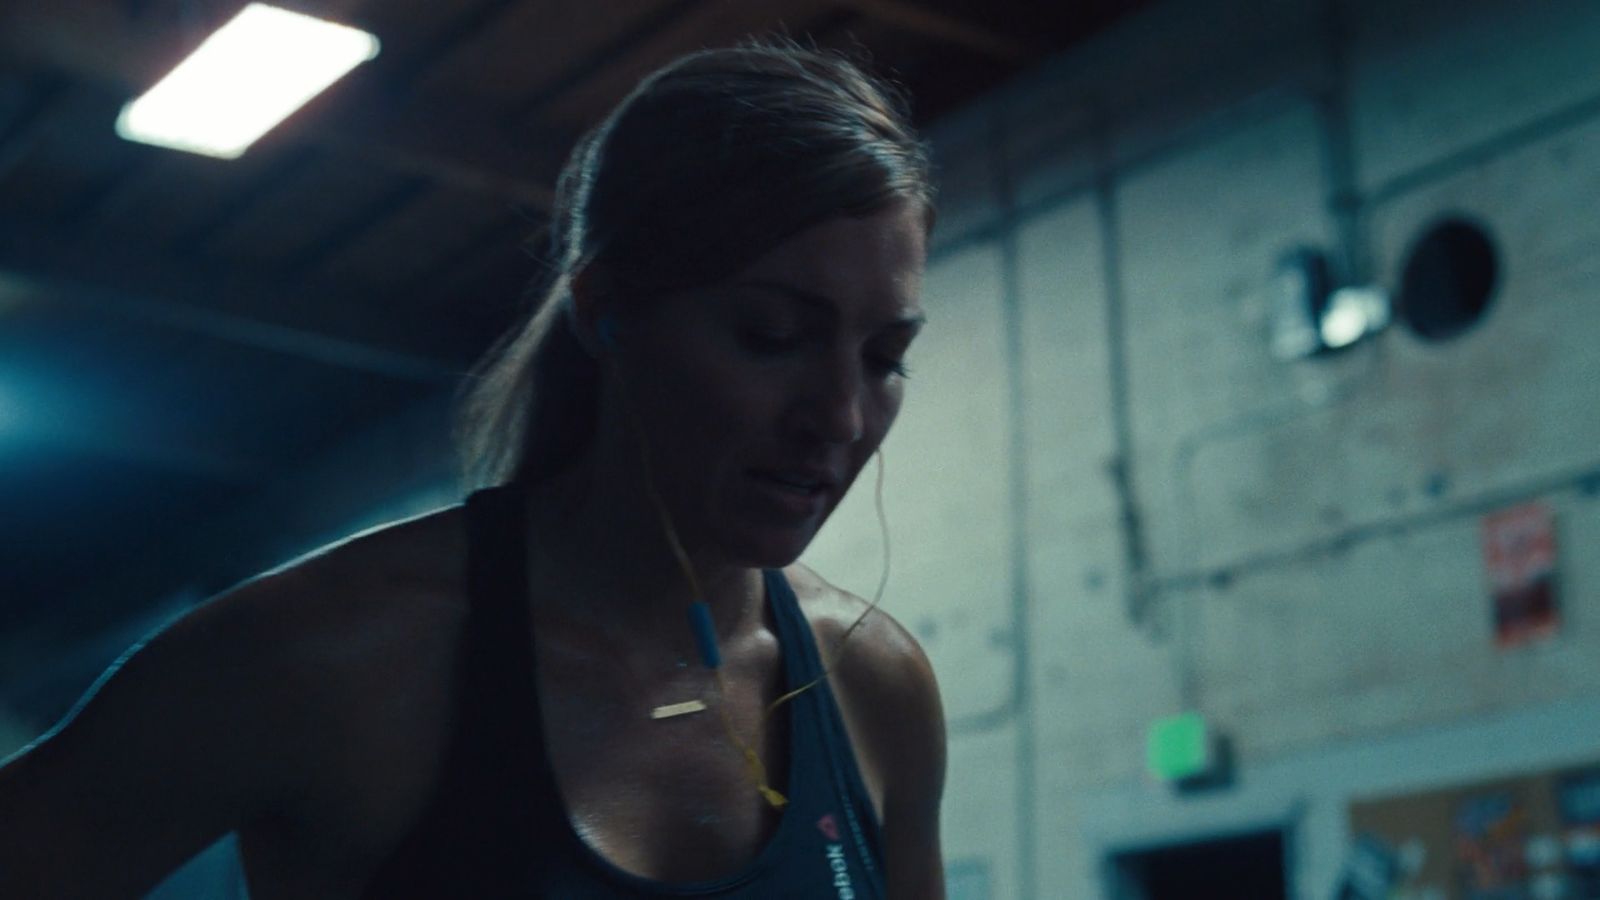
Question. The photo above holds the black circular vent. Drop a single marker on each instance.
(1449, 280)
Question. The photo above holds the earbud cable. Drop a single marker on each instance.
(883, 581)
(706, 635)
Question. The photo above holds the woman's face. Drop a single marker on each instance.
(762, 397)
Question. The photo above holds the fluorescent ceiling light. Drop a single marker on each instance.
(264, 64)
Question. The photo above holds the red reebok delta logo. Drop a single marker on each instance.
(828, 827)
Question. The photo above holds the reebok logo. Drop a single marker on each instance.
(828, 827)
(841, 872)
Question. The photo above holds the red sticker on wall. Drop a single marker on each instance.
(1519, 549)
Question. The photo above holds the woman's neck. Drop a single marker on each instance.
(600, 558)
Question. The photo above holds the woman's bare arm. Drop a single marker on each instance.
(890, 677)
(179, 742)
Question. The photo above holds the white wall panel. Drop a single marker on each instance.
(1436, 77)
(1349, 646)
(1065, 366)
(980, 809)
(1533, 357)
(1200, 235)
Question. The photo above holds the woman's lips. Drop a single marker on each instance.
(792, 492)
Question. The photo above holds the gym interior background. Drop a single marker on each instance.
(1245, 497)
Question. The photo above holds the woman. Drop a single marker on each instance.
(508, 697)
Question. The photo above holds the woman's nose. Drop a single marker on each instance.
(834, 408)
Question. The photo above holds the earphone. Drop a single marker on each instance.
(701, 624)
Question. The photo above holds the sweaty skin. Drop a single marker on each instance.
(310, 708)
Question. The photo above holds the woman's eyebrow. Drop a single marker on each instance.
(824, 304)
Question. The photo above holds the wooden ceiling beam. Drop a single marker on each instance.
(28, 126)
(306, 319)
(421, 138)
(916, 19)
(97, 42)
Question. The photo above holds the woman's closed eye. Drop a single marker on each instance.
(884, 366)
(775, 341)
(886, 355)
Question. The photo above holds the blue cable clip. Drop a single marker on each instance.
(705, 633)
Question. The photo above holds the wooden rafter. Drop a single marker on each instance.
(909, 16)
(307, 319)
(93, 41)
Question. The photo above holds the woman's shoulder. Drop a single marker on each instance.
(889, 700)
(305, 708)
(348, 605)
(416, 553)
(372, 614)
(363, 653)
(883, 680)
(317, 623)
(878, 646)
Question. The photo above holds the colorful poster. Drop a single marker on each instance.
(1578, 798)
(1491, 832)
(1519, 550)
(1534, 836)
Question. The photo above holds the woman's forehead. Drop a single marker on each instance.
(873, 262)
(872, 311)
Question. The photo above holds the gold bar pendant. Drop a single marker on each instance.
(677, 709)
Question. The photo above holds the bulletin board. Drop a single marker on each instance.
(1526, 837)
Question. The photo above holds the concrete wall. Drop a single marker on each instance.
(1110, 503)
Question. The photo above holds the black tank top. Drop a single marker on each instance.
(497, 827)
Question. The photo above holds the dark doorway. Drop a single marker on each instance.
(1237, 867)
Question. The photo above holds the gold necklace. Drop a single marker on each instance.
(669, 710)
(673, 710)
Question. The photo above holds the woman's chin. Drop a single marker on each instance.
(770, 551)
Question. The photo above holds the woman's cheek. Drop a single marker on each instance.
(893, 395)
